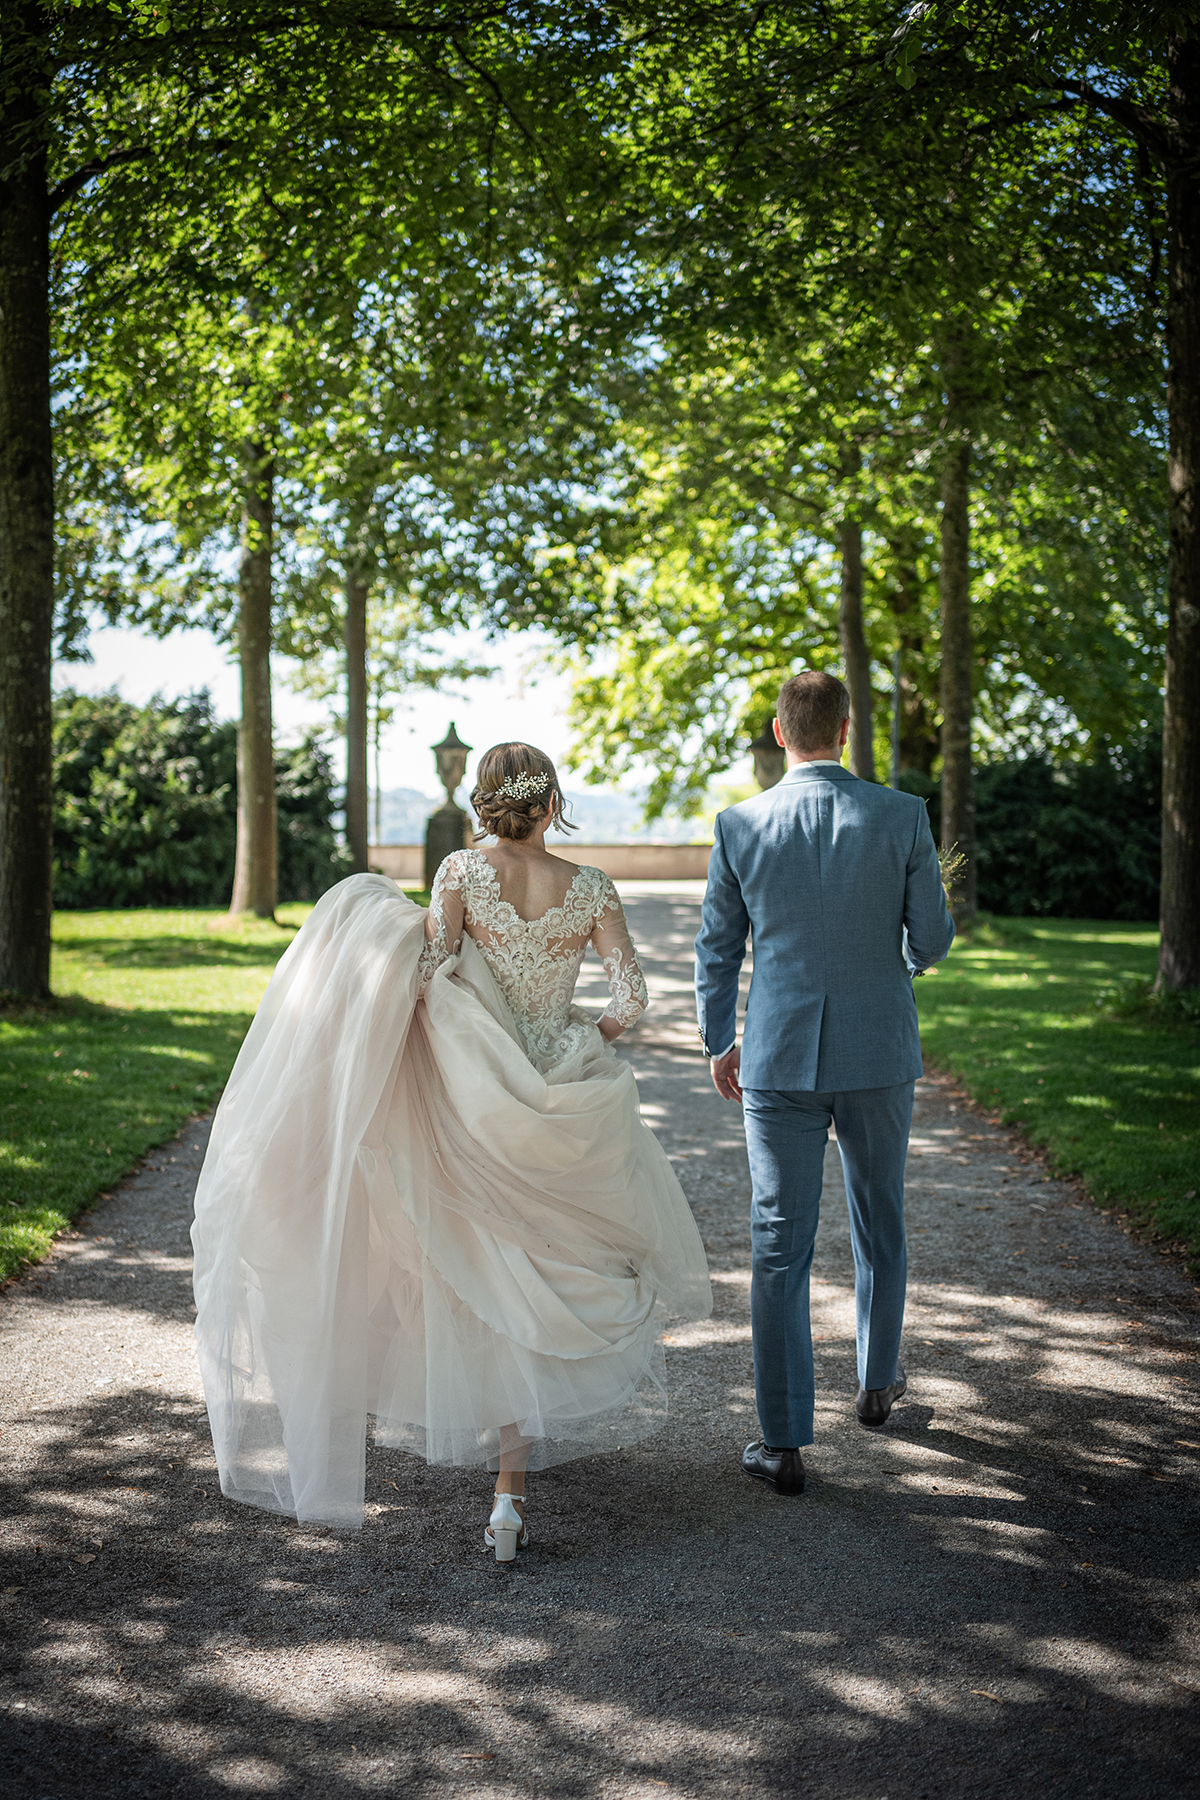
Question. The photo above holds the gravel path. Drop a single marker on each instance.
(996, 1592)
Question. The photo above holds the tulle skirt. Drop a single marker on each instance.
(399, 1216)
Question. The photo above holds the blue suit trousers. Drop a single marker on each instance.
(786, 1134)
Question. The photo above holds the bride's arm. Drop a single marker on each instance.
(444, 920)
(626, 983)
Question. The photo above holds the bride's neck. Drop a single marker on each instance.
(533, 845)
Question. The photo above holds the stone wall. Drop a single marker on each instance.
(624, 862)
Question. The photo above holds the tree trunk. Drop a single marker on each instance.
(958, 781)
(918, 734)
(255, 875)
(26, 533)
(378, 736)
(1179, 951)
(856, 656)
(354, 634)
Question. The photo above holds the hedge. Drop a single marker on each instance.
(145, 807)
(1065, 840)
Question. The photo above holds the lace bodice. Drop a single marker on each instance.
(537, 961)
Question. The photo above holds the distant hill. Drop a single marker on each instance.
(403, 812)
(602, 818)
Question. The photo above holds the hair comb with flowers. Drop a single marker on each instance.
(522, 786)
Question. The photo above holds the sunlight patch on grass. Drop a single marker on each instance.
(150, 1010)
(1019, 1013)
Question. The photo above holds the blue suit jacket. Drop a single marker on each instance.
(838, 881)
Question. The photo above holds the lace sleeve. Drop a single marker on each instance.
(444, 920)
(626, 983)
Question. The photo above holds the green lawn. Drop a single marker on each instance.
(1030, 1017)
(150, 1011)
(153, 1006)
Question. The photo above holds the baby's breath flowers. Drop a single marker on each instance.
(521, 787)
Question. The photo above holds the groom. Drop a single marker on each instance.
(838, 882)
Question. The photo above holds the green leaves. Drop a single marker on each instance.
(905, 46)
(145, 806)
(608, 328)
(351, 260)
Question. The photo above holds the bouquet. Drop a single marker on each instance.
(952, 862)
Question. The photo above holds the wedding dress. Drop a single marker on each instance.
(429, 1197)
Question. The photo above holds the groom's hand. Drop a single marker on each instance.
(725, 1075)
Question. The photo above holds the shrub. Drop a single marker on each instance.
(146, 806)
(144, 802)
(1066, 840)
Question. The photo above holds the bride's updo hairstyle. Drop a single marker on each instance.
(515, 787)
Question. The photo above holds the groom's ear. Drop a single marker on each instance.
(778, 734)
(843, 734)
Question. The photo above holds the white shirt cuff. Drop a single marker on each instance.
(725, 1052)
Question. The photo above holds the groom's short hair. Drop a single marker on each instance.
(811, 708)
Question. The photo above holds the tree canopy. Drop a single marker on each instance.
(717, 338)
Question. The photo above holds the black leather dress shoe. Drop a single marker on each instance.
(779, 1469)
(874, 1404)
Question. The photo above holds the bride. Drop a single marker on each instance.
(428, 1194)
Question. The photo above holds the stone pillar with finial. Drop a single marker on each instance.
(769, 760)
(449, 827)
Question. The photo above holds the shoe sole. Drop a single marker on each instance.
(788, 1493)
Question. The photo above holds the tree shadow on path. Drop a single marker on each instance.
(993, 1594)
(673, 1627)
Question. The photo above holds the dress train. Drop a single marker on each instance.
(401, 1215)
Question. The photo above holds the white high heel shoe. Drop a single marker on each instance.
(506, 1531)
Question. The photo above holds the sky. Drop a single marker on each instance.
(521, 700)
